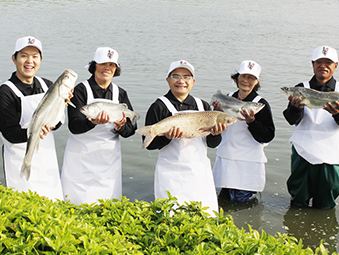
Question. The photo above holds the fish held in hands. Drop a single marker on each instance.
(50, 111)
(311, 98)
(234, 106)
(193, 124)
(115, 111)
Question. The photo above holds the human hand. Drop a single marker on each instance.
(174, 133)
(102, 118)
(331, 108)
(218, 129)
(295, 101)
(248, 117)
(45, 131)
(120, 123)
(216, 106)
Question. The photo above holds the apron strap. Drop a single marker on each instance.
(16, 91)
(42, 83)
(172, 109)
(90, 96)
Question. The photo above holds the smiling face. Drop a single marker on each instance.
(180, 88)
(104, 73)
(27, 63)
(323, 69)
(246, 83)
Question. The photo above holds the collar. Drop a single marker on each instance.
(250, 96)
(189, 99)
(328, 86)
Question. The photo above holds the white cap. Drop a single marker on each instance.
(325, 52)
(250, 67)
(180, 64)
(106, 54)
(26, 41)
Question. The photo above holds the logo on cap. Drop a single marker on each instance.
(183, 63)
(31, 41)
(324, 51)
(110, 54)
(250, 65)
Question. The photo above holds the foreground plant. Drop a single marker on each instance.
(30, 224)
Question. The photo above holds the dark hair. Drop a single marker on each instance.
(235, 77)
(92, 68)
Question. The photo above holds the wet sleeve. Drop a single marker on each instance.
(128, 129)
(77, 122)
(211, 140)
(262, 128)
(10, 115)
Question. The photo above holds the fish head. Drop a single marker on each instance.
(66, 83)
(90, 110)
(252, 106)
(286, 90)
(226, 118)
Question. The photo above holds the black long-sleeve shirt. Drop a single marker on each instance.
(78, 123)
(262, 128)
(158, 111)
(293, 115)
(10, 108)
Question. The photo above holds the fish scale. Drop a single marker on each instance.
(192, 124)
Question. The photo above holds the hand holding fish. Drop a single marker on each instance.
(249, 117)
(70, 95)
(45, 129)
(331, 108)
(120, 123)
(174, 133)
(102, 118)
(295, 101)
(218, 129)
(216, 106)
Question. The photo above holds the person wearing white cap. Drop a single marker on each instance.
(19, 97)
(239, 169)
(183, 171)
(314, 161)
(92, 159)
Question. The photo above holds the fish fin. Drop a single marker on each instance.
(186, 141)
(147, 132)
(69, 102)
(25, 170)
(184, 112)
(135, 118)
(205, 129)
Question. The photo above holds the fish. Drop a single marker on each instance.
(312, 99)
(50, 111)
(234, 106)
(192, 123)
(113, 110)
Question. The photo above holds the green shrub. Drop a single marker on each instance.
(30, 224)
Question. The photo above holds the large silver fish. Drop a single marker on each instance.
(192, 124)
(113, 110)
(234, 106)
(50, 111)
(312, 99)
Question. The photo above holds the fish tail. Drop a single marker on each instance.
(147, 132)
(25, 170)
(135, 118)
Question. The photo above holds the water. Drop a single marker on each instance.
(215, 36)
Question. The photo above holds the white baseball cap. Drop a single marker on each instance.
(106, 54)
(26, 41)
(325, 52)
(250, 67)
(180, 64)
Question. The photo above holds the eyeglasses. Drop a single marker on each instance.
(177, 77)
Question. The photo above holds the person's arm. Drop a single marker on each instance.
(78, 122)
(128, 129)
(294, 113)
(157, 112)
(211, 140)
(262, 128)
(10, 115)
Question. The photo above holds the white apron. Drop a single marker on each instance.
(92, 161)
(316, 138)
(45, 177)
(240, 159)
(185, 172)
